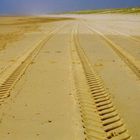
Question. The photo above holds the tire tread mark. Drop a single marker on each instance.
(96, 106)
(15, 72)
(125, 56)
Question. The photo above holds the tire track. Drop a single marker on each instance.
(9, 78)
(129, 36)
(100, 118)
(133, 64)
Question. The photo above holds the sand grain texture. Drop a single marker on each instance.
(49, 100)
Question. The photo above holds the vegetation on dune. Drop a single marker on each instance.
(104, 11)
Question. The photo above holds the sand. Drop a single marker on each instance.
(43, 104)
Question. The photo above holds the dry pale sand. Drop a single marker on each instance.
(64, 79)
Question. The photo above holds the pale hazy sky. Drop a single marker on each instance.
(51, 6)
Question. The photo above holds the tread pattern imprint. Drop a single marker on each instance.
(99, 116)
(12, 75)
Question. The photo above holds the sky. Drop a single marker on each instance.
(53, 6)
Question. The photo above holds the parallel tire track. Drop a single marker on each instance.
(125, 56)
(10, 77)
(100, 118)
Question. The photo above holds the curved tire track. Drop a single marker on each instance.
(9, 78)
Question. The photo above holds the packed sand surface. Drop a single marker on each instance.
(70, 77)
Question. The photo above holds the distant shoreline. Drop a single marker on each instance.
(132, 10)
